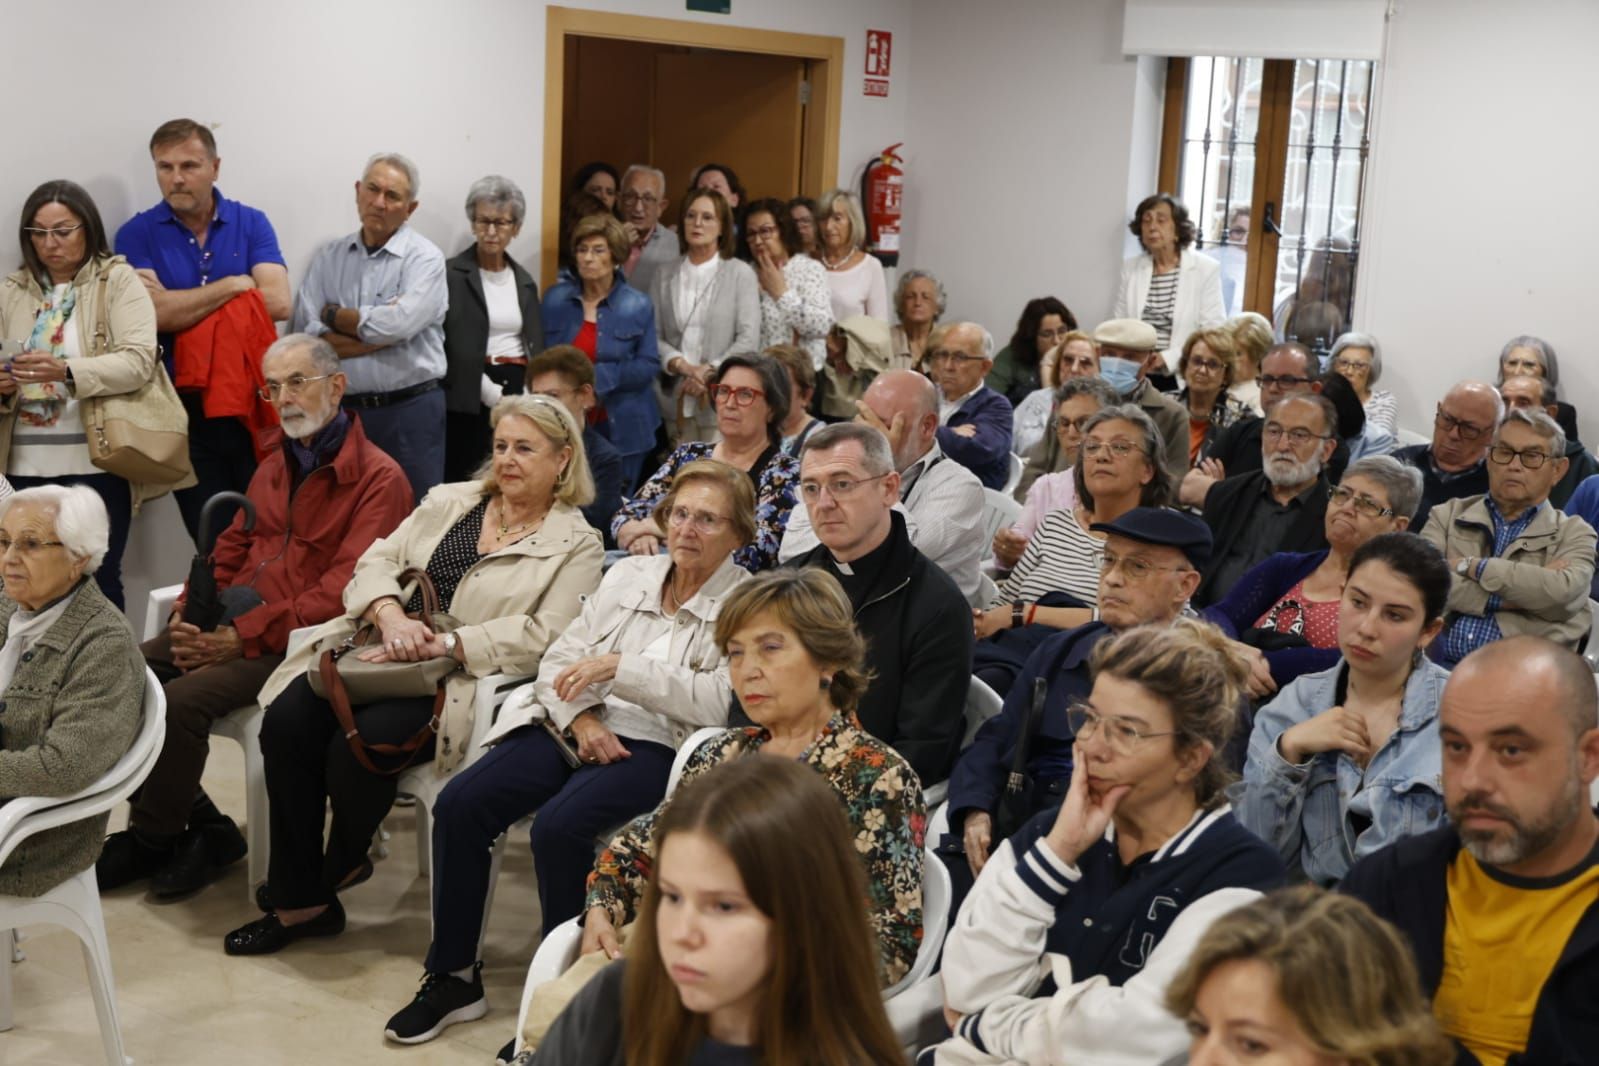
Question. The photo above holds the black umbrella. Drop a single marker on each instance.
(204, 607)
(1015, 801)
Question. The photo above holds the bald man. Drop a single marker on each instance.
(1502, 905)
(1454, 464)
(942, 500)
(974, 421)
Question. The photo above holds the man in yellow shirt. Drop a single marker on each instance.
(1502, 905)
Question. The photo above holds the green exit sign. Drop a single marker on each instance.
(715, 7)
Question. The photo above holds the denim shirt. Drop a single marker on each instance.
(626, 360)
(1305, 810)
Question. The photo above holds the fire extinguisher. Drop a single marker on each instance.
(881, 185)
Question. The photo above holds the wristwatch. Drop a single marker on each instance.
(330, 315)
(449, 640)
(1463, 567)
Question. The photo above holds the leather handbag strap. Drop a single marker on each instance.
(102, 315)
(339, 700)
(430, 593)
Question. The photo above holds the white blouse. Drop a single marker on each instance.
(804, 315)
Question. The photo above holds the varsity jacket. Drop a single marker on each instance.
(1052, 962)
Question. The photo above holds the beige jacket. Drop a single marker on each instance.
(689, 691)
(132, 359)
(1535, 597)
(512, 603)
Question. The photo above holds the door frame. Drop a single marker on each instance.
(819, 136)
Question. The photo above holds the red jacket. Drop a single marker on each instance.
(304, 549)
(220, 356)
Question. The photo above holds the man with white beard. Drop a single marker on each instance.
(322, 495)
(1280, 508)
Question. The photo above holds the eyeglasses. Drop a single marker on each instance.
(739, 396)
(27, 545)
(60, 233)
(1531, 458)
(1204, 364)
(489, 224)
(273, 389)
(1121, 449)
(703, 521)
(840, 488)
(1524, 365)
(945, 355)
(1280, 381)
(1063, 423)
(1123, 735)
(1448, 422)
(648, 199)
(1298, 438)
(762, 232)
(1350, 364)
(1133, 568)
(1338, 495)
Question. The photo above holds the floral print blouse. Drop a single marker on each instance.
(776, 491)
(804, 314)
(882, 797)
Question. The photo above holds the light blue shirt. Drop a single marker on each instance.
(401, 294)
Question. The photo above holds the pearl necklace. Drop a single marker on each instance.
(837, 264)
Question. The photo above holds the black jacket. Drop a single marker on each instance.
(1407, 884)
(918, 630)
(1434, 489)
(1229, 504)
(466, 327)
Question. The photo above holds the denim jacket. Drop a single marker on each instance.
(1310, 812)
(625, 356)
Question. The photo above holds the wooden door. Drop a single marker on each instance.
(741, 109)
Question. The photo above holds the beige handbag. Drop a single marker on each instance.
(143, 435)
(551, 998)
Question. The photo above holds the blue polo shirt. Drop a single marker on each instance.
(240, 237)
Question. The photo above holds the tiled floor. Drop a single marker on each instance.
(322, 1001)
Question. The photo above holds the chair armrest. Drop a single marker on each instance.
(159, 609)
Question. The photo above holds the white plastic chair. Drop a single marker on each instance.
(243, 727)
(1407, 437)
(75, 903)
(1592, 652)
(1015, 476)
(982, 703)
(999, 511)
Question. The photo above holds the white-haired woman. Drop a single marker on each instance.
(919, 302)
(1358, 357)
(71, 677)
(854, 279)
(511, 558)
(492, 326)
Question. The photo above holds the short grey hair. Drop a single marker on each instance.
(323, 357)
(413, 176)
(941, 332)
(82, 524)
(904, 283)
(1546, 355)
(1097, 387)
(1359, 340)
(852, 210)
(1329, 412)
(877, 458)
(1158, 492)
(639, 168)
(496, 190)
(1541, 424)
(1400, 482)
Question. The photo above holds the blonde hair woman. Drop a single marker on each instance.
(511, 558)
(854, 278)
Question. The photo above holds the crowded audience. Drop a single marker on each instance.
(1161, 609)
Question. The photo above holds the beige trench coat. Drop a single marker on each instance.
(512, 603)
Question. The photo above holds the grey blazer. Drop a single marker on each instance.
(732, 313)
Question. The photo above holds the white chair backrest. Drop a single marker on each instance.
(1014, 478)
(937, 889)
(982, 703)
(1407, 437)
(27, 815)
(695, 739)
(999, 510)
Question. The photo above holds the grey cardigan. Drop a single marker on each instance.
(732, 315)
(71, 711)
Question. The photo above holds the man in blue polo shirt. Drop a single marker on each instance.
(378, 296)
(195, 251)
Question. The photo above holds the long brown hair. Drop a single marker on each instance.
(786, 831)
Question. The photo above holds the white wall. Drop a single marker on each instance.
(302, 91)
(1031, 140)
(1478, 224)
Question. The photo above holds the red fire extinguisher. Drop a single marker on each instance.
(881, 185)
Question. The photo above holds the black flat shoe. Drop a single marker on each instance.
(267, 935)
(361, 875)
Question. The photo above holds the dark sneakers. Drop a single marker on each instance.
(203, 852)
(442, 1001)
(127, 857)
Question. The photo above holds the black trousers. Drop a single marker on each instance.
(467, 436)
(223, 459)
(309, 766)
